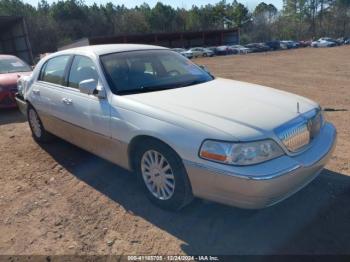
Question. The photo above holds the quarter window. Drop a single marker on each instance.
(54, 69)
(82, 69)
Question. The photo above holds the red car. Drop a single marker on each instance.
(11, 68)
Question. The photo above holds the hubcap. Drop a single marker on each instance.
(157, 175)
(34, 123)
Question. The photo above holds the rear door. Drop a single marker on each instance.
(51, 79)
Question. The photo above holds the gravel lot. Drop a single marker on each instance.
(58, 199)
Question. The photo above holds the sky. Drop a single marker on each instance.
(175, 3)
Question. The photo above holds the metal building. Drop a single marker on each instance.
(176, 39)
(14, 38)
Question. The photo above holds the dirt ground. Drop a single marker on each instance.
(58, 199)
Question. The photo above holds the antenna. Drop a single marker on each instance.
(298, 108)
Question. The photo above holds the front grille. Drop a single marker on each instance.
(296, 137)
(299, 132)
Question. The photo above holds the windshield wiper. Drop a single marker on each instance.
(194, 82)
(150, 88)
(144, 89)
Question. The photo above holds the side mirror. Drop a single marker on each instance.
(88, 86)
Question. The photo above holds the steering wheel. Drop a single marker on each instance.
(174, 72)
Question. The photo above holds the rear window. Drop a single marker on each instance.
(13, 65)
(54, 70)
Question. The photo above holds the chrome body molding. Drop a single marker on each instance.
(242, 189)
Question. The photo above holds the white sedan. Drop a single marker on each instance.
(182, 131)
(323, 43)
(241, 49)
(184, 52)
(201, 51)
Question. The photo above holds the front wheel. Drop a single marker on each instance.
(38, 131)
(163, 176)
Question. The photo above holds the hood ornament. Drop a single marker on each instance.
(298, 108)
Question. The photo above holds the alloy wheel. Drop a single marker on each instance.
(157, 175)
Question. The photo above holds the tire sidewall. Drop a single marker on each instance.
(44, 135)
(30, 108)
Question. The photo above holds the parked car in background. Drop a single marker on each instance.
(288, 44)
(241, 49)
(225, 50)
(323, 43)
(335, 41)
(213, 49)
(184, 52)
(341, 40)
(346, 41)
(296, 44)
(134, 106)
(258, 47)
(274, 45)
(201, 51)
(305, 43)
(11, 68)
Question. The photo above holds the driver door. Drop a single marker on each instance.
(85, 118)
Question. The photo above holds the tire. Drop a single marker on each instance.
(205, 54)
(39, 133)
(181, 193)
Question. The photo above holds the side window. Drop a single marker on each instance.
(82, 69)
(53, 70)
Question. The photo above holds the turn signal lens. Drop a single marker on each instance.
(213, 156)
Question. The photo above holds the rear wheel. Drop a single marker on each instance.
(162, 175)
(38, 131)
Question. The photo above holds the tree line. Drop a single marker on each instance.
(64, 21)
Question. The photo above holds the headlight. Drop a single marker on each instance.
(240, 154)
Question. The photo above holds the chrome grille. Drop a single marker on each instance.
(296, 137)
(298, 133)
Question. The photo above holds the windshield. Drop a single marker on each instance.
(150, 70)
(13, 65)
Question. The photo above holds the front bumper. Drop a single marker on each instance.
(21, 103)
(264, 184)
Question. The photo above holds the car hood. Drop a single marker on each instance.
(10, 79)
(243, 110)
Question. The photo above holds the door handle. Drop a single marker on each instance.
(36, 91)
(67, 101)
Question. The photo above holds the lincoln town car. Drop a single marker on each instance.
(182, 131)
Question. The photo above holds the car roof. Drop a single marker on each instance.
(110, 48)
(7, 56)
